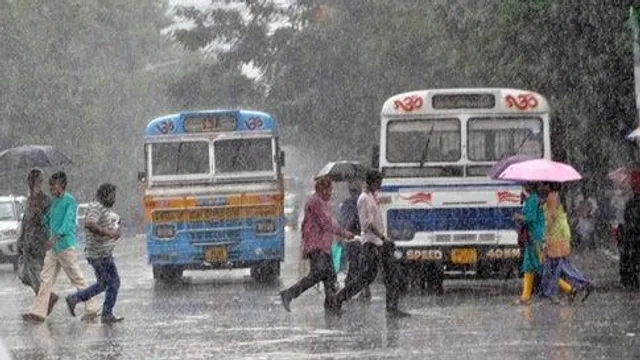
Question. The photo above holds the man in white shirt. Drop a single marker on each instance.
(377, 248)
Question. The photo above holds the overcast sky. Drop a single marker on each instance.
(196, 3)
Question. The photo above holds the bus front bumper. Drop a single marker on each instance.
(470, 258)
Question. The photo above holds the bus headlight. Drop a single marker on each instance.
(11, 233)
(265, 226)
(397, 254)
(165, 231)
(401, 232)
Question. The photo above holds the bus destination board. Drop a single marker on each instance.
(204, 123)
(463, 101)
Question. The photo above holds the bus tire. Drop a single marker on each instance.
(435, 278)
(266, 271)
(168, 274)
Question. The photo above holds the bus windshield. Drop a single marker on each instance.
(493, 138)
(407, 139)
(243, 155)
(180, 158)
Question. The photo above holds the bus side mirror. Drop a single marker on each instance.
(142, 176)
(375, 157)
(281, 159)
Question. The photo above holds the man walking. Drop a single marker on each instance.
(349, 220)
(61, 251)
(377, 248)
(101, 239)
(318, 229)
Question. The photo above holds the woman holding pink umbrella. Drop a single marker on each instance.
(558, 271)
(532, 219)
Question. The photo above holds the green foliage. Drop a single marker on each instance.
(331, 64)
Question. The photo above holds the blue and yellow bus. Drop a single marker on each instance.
(214, 193)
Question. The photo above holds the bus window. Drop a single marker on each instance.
(243, 155)
(491, 139)
(406, 140)
(177, 158)
(430, 171)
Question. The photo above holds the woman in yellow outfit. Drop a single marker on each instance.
(558, 272)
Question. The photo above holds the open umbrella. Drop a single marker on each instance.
(620, 176)
(503, 164)
(343, 170)
(626, 178)
(26, 157)
(540, 170)
(634, 135)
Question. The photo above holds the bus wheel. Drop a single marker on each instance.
(435, 278)
(266, 271)
(167, 273)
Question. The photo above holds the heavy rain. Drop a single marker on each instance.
(319, 179)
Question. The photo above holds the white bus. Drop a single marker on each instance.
(436, 146)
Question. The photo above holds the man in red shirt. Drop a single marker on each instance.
(318, 230)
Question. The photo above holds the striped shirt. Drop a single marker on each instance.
(98, 246)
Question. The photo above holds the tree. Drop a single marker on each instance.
(73, 77)
(335, 63)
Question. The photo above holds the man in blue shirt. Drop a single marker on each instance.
(349, 220)
(61, 251)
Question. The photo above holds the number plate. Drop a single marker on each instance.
(216, 254)
(464, 256)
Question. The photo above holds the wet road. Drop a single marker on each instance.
(226, 315)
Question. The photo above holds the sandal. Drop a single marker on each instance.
(522, 302)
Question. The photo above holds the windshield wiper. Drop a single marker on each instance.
(517, 150)
(178, 157)
(425, 151)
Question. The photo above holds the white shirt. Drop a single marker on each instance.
(370, 215)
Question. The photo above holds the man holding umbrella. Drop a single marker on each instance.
(318, 229)
(350, 221)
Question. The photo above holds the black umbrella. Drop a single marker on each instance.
(30, 156)
(343, 170)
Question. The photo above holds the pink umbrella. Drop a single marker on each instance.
(501, 165)
(540, 170)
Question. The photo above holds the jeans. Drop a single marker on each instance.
(108, 281)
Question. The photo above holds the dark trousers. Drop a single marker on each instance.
(629, 263)
(372, 256)
(108, 281)
(321, 270)
(354, 259)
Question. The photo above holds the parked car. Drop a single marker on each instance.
(12, 210)
(80, 214)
